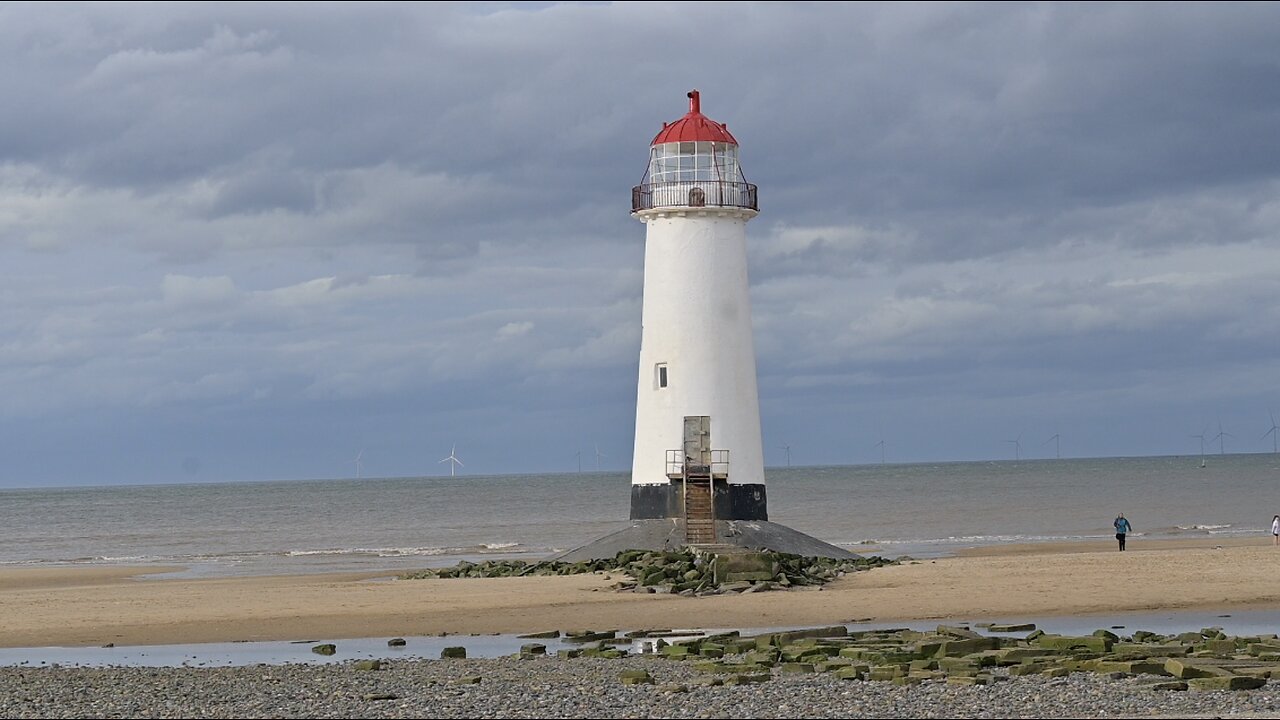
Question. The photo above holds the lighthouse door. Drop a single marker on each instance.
(697, 440)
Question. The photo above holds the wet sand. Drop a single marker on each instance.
(78, 606)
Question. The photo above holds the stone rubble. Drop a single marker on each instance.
(819, 673)
(686, 572)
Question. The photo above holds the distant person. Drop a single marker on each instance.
(1122, 528)
(1275, 530)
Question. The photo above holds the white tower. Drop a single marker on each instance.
(698, 467)
(697, 358)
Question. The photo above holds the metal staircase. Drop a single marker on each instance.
(697, 467)
(699, 509)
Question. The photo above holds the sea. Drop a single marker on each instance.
(399, 524)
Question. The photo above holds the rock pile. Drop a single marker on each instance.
(684, 572)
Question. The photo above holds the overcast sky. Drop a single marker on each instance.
(245, 241)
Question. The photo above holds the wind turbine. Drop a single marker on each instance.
(1057, 449)
(453, 460)
(881, 446)
(359, 465)
(1017, 447)
(598, 456)
(788, 449)
(1201, 436)
(1222, 443)
(1272, 432)
(579, 456)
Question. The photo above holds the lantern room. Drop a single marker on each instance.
(693, 162)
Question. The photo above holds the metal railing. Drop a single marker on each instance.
(718, 467)
(694, 193)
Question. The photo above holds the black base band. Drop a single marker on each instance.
(732, 501)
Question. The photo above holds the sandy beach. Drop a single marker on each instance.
(79, 606)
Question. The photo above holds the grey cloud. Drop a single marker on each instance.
(264, 191)
(398, 219)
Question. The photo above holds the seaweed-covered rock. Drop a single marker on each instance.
(1226, 682)
(636, 677)
(903, 656)
(684, 571)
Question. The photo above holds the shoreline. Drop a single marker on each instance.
(94, 606)
(1134, 544)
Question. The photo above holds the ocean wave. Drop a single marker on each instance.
(992, 539)
(234, 557)
(94, 560)
(125, 560)
(237, 558)
(970, 540)
(1171, 531)
(391, 552)
(1208, 529)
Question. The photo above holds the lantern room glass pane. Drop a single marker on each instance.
(694, 162)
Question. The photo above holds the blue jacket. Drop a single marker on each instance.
(1122, 525)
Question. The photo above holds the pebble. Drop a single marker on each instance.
(573, 688)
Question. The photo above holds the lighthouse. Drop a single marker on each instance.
(697, 476)
(697, 407)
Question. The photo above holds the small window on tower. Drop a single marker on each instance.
(662, 375)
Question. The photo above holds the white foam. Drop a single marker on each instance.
(391, 552)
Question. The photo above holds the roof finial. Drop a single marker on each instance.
(695, 106)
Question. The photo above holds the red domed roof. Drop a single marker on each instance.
(694, 127)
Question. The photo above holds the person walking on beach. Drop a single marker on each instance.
(1275, 530)
(1122, 529)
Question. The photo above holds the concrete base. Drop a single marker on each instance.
(668, 534)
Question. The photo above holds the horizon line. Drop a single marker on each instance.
(872, 464)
